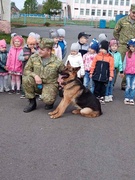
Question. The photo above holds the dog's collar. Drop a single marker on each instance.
(65, 83)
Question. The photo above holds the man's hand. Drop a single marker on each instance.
(38, 80)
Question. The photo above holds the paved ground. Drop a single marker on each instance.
(35, 147)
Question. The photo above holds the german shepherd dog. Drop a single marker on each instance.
(74, 92)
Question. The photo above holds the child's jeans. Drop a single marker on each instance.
(88, 82)
(109, 88)
(4, 83)
(110, 85)
(130, 86)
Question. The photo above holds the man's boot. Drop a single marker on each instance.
(32, 105)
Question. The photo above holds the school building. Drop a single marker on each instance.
(95, 9)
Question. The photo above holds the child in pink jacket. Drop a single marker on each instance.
(14, 66)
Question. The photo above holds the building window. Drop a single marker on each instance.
(99, 1)
(87, 12)
(110, 2)
(76, 1)
(115, 13)
(104, 12)
(121, 12)
(93, 1)
(105, 2)
(81, 11)
(88, 1)
(122, 2)
(127, 2)
(93, 12)
(116, 2)
(126, 12)
(98, 12)
(109, 12)
(82, 1)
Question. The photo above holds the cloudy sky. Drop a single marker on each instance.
(20, 3)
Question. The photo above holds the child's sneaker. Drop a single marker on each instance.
(7, 89)
(22, 96)
(132, 102)
(106, 98)
(126, 101)
(1, 90)
(18, 92)
(11, 92)
(102, 101)
(110, 98)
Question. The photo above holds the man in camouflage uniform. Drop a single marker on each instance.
(40, 76)
(123, 32)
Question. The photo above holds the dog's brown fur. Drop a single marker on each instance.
(74, 92)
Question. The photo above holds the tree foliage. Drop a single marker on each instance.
(51, 4)
(30, 6)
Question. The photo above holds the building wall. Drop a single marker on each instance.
(5, 25)
(91, 9)
(6, 7)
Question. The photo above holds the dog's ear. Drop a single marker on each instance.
(68, 64)
(76, 69)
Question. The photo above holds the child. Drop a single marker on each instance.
(102, 37)
(37, 37)
(76, 60)
(56, 48)
(113, 46)
(87, 60)
(14, 66)
(83, 42)
(129, 71)
(3, 70)
(26, 52)
(102, 70)
(62, 42)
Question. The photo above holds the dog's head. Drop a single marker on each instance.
(69, 73)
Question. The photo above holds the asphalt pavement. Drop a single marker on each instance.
(35, 147)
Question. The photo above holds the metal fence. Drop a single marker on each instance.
(43, 19)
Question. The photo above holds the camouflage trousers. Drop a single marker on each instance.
(48, 93)
(123, 49)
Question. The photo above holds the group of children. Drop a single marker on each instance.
(99, 62)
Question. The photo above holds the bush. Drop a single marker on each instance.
(47, 24)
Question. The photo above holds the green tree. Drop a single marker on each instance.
(51, 4)
(30, 6)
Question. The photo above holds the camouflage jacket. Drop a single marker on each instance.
(124, 30)
(48, 72)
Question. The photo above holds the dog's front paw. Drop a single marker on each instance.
(53, 117)
(50, 113)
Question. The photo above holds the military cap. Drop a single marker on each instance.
(133, 7)
(46, 43)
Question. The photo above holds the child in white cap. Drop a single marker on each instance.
(53, 34)
(62, 42)
(75, 59)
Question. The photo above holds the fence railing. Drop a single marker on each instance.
(42, 19)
